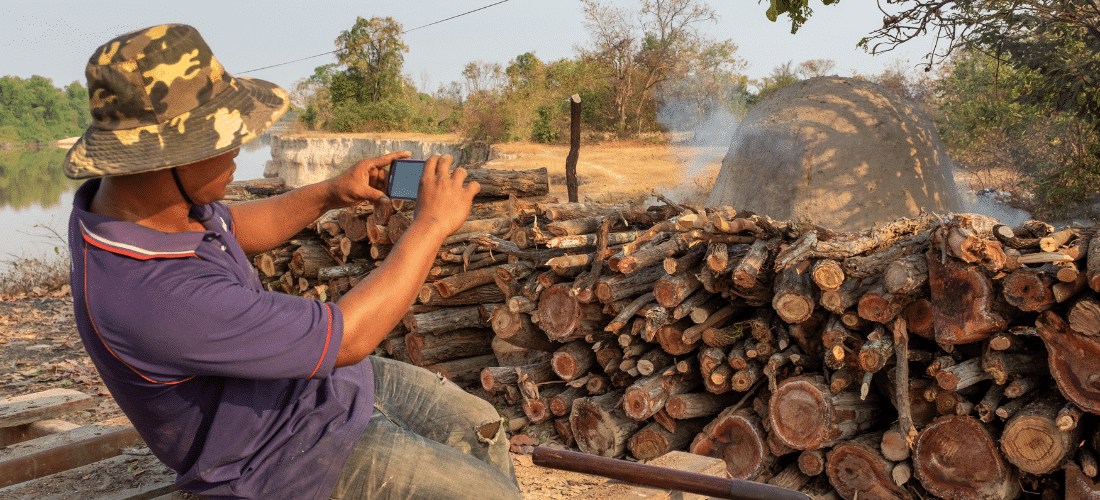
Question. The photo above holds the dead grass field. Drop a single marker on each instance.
(615, 172)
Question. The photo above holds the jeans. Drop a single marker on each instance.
(427, 439)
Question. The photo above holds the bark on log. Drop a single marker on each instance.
(957, 458)
(463, 371)
(436, 348)
(502, 183)
(696, 404)
(446, 319)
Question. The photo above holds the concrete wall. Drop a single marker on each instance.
(305, 159)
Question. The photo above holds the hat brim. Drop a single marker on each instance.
(237, 115)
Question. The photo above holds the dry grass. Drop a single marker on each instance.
(616, 172)
(35, 276)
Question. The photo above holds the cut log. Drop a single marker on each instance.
(463, 371)
(857, 470)
(828, 274)
(1084, 316)
(436, 348)
(445, 320)
(564, 318)
(654, 440)
(957, 458)
(562, 403)
(906, 275)
(1032, 441)
(503, 183)
(621, 286)
(600, 426)
(812, 462)
(696, 404)
(1080, 486)
(736, 436)
(573, 359)
(795, 297)
(671, 290)
(645, 397)
(518, 330)
(962, 302)
(1074, 361)
(1029, 290)
(805, 414)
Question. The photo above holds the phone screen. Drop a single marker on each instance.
(404, 179)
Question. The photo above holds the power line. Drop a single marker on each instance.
(402, 33)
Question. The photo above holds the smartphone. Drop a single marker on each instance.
(404, 179)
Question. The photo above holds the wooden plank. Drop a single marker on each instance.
(155, 491)
(19, 410)
(65, 450)
(677, 460)
(25, 432)
(138, 476)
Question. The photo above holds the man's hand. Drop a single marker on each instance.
(443, 203)
(365, 181)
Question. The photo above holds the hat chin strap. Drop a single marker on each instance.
(179, 184)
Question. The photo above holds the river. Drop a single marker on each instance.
(36, 198)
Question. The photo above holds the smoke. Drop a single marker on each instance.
(701, 132)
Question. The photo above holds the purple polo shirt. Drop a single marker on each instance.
(230, 385)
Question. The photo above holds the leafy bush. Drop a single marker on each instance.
(542, 130)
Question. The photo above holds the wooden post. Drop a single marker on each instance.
(574, 147)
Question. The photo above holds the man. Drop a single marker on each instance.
(247, 393)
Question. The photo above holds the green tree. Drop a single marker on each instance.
(373, 54)
(33, 110)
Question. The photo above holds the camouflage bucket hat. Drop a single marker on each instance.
(160, 99)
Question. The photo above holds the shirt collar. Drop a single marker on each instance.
(135, 240)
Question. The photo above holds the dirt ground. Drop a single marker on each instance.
(40, 348)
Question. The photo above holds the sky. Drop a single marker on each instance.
(55, 39)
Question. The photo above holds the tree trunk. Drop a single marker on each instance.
(647, 396)
(795, 296)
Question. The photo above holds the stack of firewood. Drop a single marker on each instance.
(951, 356)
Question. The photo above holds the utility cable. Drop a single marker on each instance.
(402, 33)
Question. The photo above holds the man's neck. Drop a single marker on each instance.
(145, 199)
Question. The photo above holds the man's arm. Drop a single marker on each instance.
(377, 303)
(264, 224)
